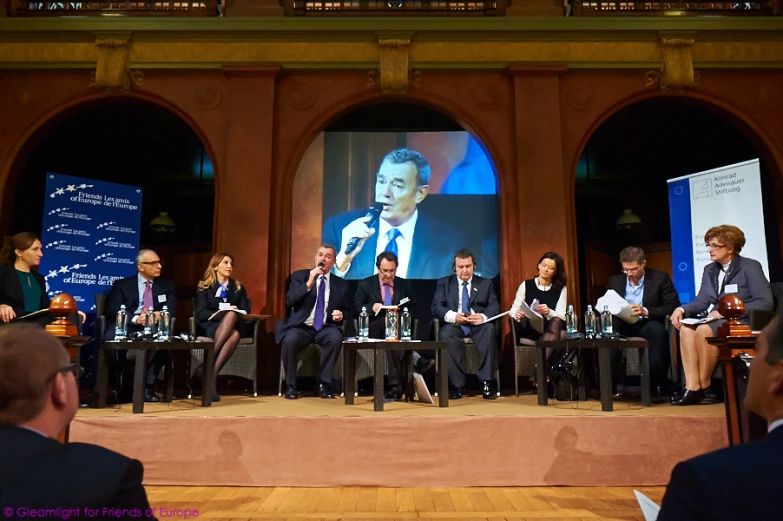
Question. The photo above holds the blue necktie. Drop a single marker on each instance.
(465, 305)
(393, 234)
(318, 320)
(223, 292)
(387, 296)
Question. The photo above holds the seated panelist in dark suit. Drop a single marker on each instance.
(216, 291)
(319, 303)
(652, 297)
(729, 273)
(22, 288)
(139, 293)
(38, 399)
(463, 302)
(386, 289)
(740, 482)
(423, 245)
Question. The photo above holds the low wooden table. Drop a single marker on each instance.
(144, 347)
(603, 346)
(380, 348)
(742, 424)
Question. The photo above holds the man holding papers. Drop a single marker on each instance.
(649, 297)
(376, 292)
(465, 301)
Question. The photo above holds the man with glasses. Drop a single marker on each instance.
(387, 289)
(140, 293)
(39, 397)
(652, 297)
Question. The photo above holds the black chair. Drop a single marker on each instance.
(758, 319)
(244, 361)
(470, 359)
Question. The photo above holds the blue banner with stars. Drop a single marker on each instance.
(90, 236)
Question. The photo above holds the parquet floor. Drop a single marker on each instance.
(387, 504)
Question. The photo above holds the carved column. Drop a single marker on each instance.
(113, 70)
(676, 62)
(394, 74)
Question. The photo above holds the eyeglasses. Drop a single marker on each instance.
(388, 272)
(74, 368)
(630, 271)
(152, 263)
(715, 246)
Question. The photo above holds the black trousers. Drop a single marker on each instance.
(483, 335)
(330, 338)
(658, 346)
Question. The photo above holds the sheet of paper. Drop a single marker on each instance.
(617, 306)
(422, 393)
(649, 508)
(490, 319)
(34, 314)
(697, 321)
(402, 302)
(219, 314)
(534, 317)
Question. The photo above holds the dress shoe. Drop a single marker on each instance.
(424, 364)
(689, 398)
(486, 391)
(291, 393)
(215, 397)
(324, 391)
(455, 393)
(150, 396)
(394, 395)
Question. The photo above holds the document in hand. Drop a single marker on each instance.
(217, 315)
(649, 508)
(403, 301)
(490, 319)
(617, 306)
(697, 321)
(535, 318)
(34, 314)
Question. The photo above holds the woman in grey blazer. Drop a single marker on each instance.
(728, 273)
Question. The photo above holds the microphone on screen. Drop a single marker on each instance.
(374, 212)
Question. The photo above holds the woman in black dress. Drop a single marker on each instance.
(217, 291)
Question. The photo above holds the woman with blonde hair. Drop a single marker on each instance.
(217, 291)
(728, 273)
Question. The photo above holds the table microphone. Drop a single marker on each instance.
(374, 212)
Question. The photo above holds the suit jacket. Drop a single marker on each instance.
(126, 291)
(739, 482)
(752, 286)
(368, 293)
(659, 297)
(11, 290)
(431, 252)
(301, 301)
(207, 303)
(39, 472)
(482, 297)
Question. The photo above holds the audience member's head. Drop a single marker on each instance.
(148, 263)
(765, 386)
(37, 380)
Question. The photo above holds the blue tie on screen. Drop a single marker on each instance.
(387, 296)
(465, 305)
(393, 234)
(318, 321)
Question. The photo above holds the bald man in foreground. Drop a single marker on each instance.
(39, 397)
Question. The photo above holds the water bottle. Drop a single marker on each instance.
(364, 325)
(405, 326)
(589, 322)
(572, 324)
(164, 324)
(606, 322)
(149, 323)
(121, 327)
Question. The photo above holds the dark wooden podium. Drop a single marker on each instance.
(73, 345)
(742, 424)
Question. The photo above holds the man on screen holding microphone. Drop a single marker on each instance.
(319, 303)
(422, 244)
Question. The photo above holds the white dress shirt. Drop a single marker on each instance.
(722, 275)
(560, 308)
(774, 425)
(317, 283)
(451, 316)
(404, 242)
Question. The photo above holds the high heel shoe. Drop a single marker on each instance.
(689, 397)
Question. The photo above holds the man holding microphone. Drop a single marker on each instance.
(319, 303)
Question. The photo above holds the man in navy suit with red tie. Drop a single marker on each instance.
(465, 301)
(319, 303)
(740, 482)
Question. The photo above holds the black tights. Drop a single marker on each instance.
(552, 333)
(226, 340)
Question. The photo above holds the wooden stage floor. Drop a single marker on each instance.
(387, 504)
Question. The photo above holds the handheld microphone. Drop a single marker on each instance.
(374, 212)
(321, 264)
